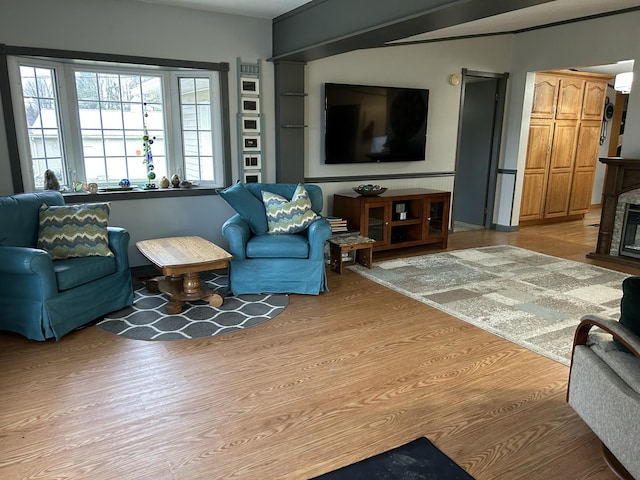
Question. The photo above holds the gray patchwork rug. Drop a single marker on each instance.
(147, 319)
(531, 299)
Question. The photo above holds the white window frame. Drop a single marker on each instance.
(71, 134)
(216, 118)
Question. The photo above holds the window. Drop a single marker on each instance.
(86, 122)
(40, 99)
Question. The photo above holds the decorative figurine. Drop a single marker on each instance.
(175, 181)
(50, 180)
(124, 183)
(164, 182)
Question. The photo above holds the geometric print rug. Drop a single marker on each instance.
(529, 298)
(147, 319)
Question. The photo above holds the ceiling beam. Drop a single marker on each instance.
(322, 28)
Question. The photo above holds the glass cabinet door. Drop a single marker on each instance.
(436, 217)
(377, 222)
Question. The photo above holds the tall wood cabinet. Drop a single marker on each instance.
(564, 136)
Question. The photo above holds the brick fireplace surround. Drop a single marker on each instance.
(623, 177)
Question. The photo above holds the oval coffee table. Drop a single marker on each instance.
(181, 259)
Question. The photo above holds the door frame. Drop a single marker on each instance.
(496, 137)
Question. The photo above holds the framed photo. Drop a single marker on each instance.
(251, 124)
(250, 105)
(252, 160)
(252, 177)
(249, 86)
(251, 142)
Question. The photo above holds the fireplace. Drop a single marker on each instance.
(630, 238)
(618, 233)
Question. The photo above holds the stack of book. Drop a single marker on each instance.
(337, 224)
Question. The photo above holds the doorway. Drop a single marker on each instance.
(481, 116)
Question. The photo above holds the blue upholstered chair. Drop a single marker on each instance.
(267, 263)
(42, 298)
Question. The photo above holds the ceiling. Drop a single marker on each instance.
(252, 8)
(519, 20)
(555, 11)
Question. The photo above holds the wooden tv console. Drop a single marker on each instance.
(426, 219)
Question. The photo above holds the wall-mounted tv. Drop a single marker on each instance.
(365, 123)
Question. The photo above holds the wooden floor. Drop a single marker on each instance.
(331, 380)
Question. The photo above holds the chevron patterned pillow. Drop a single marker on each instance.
(68, 231)
(288, 216)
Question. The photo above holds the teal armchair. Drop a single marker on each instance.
(41, 298)
(266, 263)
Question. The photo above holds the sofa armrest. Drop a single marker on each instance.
(613, 327)
(119, 245)
(237, 231)
(318, 233)
(27, 270)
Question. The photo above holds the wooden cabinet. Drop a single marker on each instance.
(569, 103)
(425, 219)
(584, 167)
(545, 96)
(560, 168)
(595, 93)
(562, 150)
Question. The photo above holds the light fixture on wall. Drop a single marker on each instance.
(623, 82)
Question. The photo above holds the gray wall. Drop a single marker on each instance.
(143, 29)
(135, 28)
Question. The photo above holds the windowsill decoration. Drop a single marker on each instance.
(147, 141)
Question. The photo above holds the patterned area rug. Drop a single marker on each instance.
(147, 320)
(531, 299)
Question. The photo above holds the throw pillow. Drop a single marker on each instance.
(69, 231)
(247, 206)
(288, 216)
(630, 307)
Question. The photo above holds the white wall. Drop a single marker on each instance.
(594, 42)
(419, 66)
(143, 29)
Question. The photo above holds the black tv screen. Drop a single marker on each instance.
(366, 123)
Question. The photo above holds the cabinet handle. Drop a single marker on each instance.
(429, 218)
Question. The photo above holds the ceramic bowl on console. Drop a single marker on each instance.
(369, 190)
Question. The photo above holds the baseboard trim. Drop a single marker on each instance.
(505, 228)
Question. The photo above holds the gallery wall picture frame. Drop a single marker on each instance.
(249, 86)
(252, 177)
(251, 124)
(250, 105)
(252, 161)
(251, 143)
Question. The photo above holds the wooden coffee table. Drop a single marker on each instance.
(181, 259)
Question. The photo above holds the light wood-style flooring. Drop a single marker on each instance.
(331, 380)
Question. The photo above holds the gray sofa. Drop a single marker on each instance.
(604, 389)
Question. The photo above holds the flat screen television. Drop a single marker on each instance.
(365, 123)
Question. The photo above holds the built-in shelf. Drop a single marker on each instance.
(293, 94)
(291, 125)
